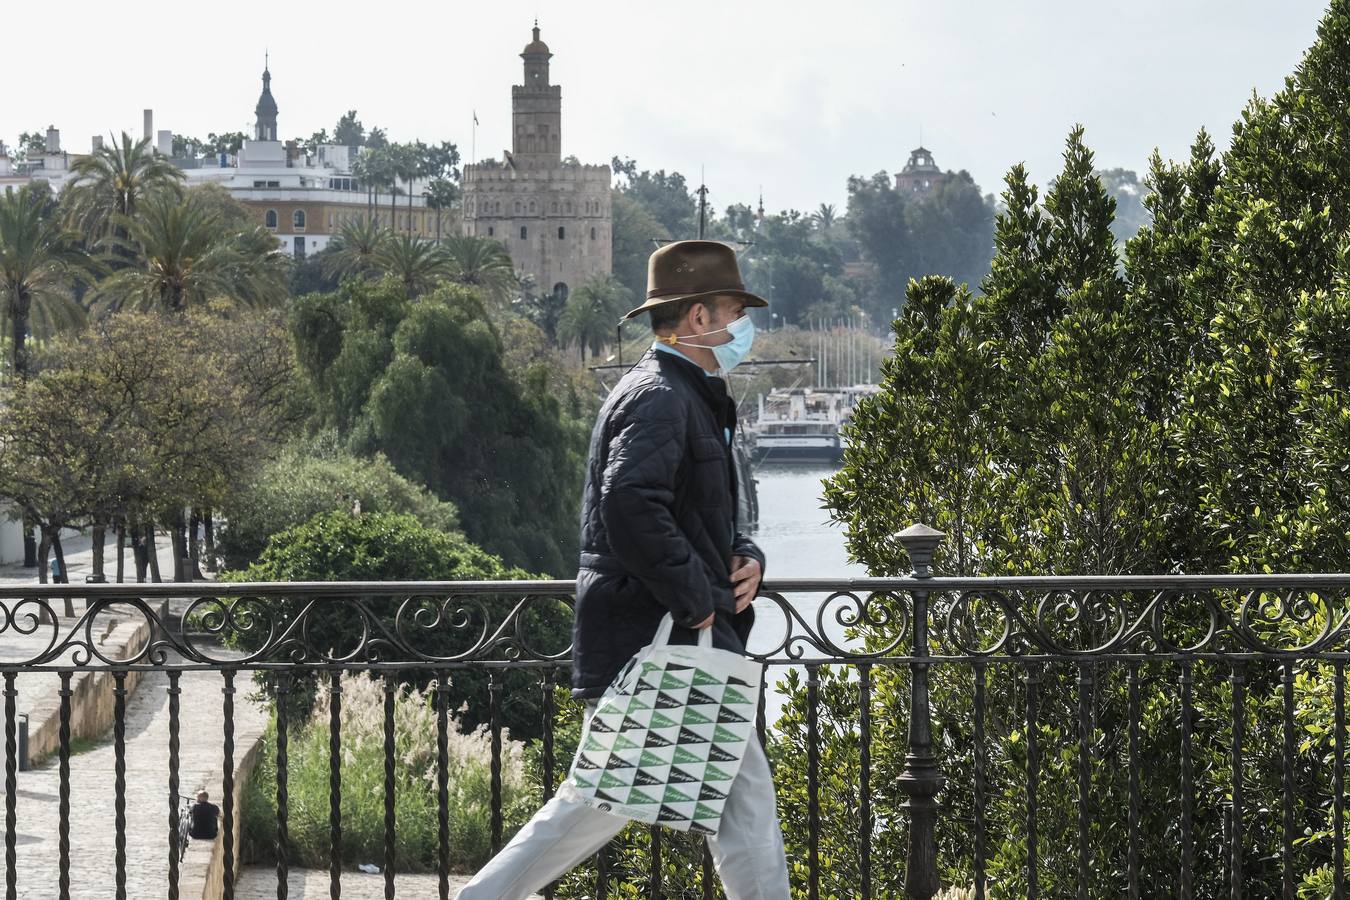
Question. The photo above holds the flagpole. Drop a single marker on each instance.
(473, 141)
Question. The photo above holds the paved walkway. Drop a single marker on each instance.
(79, 551)
(260, 883)
(92, 832)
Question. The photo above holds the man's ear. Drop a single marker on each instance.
(697, 309)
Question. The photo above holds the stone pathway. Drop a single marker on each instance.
(260, 883)
(79, 553)
(92, 832)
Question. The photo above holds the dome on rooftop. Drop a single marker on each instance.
(536, 47)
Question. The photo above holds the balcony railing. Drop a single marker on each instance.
(1052, 646)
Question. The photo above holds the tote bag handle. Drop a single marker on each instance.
(663, 634)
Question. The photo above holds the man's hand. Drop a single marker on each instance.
(745, 576)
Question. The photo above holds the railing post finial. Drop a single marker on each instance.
(920, 542)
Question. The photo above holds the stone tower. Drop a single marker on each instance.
(266, 110)
(920, 175)
(536, 110)
(553, 215)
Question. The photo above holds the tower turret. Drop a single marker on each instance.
(536, 110)
(266, 110)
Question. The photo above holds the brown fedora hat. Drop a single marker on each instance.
(694, 270)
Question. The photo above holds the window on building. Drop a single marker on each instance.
(592, 233)
(568, 207)
(492, 232)
(274, 184)
(260, 184)
(522, 232)
(270, 219)
(517, 207)
(562, 233)
(531, 206)
(298, 218)
(553, 207)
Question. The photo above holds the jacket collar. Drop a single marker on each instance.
(712, 388)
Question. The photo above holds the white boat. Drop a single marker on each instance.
(804, 423)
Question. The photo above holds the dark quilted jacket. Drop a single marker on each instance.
(658, 525)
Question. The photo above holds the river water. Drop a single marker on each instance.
(795, 532)
(799, 541)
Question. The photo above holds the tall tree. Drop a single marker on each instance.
(110, 185)
(591, 313)
(482, 263)
(183, 257)
(417, 263)
(665, 196)
(231, 142)
(40, 262)
(824, 216)
(349, 131)
(355, 250)
(423, 382)
(636, 233)
(442, 195)
(410, 163)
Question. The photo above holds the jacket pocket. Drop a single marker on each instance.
(708, 474)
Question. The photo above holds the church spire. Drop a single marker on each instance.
(266, 110)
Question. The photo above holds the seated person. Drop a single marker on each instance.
(204, 814)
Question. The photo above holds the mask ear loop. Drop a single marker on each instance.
(673, 339)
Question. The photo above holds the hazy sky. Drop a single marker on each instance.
(789, 95)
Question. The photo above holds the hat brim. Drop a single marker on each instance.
(749, 298)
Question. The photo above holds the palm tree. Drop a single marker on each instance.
(361, 172)
(380, 172)
(184, 257)
(39, 263)
(482, 263)
(441, 195)
(417, 263)
(352, 254)
(824, 216)
(410, 163)
(114, 181)
(375, 169)
(591, 313)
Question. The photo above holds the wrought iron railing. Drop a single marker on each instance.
(1276, 626)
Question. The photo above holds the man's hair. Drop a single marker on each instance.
(668, 315)
(203, 795)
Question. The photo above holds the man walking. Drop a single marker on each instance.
(658, 536)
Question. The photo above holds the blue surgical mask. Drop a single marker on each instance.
(733, 352)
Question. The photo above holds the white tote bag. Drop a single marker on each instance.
(669, 734)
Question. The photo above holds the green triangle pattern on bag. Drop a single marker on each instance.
(667, 730)
(694, 717)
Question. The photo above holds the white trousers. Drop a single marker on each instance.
(747, 850)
